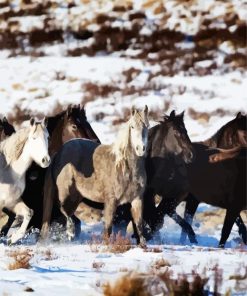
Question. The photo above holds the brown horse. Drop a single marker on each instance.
(233, 134)
(67, 125)
(110, 174)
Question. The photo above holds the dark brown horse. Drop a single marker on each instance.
(232, 134)
(62, 127)
(223, 185)
(200, 169)
(168, 152)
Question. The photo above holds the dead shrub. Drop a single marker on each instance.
(98, 265)
(117, 243)
(128, 285)
(21, 259)
(160, 263)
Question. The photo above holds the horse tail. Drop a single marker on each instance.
(49, 195)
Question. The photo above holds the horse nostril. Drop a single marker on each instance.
(46, 160)
(143, 148)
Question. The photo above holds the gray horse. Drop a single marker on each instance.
(110, 174)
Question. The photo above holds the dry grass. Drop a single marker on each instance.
(115, 244)
(144, 284)
(160, 263)
(98, 265)
(21, 259)
(128, 285)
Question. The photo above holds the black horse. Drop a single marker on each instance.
(203, 176)
(233, 134)
(68, 124)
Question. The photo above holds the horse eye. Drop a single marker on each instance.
(74, 127)
(132, 127)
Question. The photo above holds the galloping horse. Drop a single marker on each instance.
(16, 155)
(110, 174)
(67, 125)
(233, 134)
(169, 149)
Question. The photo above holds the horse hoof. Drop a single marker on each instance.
(221, 246)
(193, 240)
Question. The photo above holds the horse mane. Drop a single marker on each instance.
(12, 146)
(121, 145)
(214, 139)
(53, 120)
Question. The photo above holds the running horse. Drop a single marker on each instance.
(66, 125)
(110, 174)
(231, 137)
(16, 155)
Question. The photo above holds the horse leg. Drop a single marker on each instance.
(136, 212)
(48, 201)
(149, 209)
(21, 209)
(109, 211)
(77, 224)
(185, 226)
(190, 209)
(8, 224)
(230, 218)
(241, 229)
(70, 226)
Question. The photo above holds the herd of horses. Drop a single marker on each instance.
(48, 168)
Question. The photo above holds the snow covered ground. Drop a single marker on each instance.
(33, 85)
(108, 85)
(76, 269)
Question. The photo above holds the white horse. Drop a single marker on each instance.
(16, 155)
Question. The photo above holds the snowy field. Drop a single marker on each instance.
(41, 80)
(69, 268)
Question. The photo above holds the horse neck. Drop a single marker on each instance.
(56, 138)
(223, 138)
(20, 165)
(124, 153)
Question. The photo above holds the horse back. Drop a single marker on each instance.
(78, 153)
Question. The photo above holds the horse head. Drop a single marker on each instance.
(76, 125)
(37, 142)
(139, 124)
(177, 140)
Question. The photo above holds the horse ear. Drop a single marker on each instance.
(32, 121)
(181, 115)
(5, 120)
(172, 114)
(68, 112)
(239, 115)
(133, 111)
(146, 110)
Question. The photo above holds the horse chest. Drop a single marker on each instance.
(11, 192)
(132, 185)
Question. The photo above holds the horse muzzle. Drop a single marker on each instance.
(140, 150)
(46, 161)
